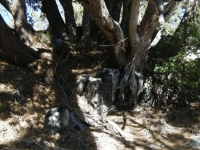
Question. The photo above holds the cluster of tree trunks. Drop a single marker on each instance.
(106, 15)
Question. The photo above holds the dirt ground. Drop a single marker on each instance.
(22, 124)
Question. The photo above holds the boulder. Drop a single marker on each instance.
(95, 95)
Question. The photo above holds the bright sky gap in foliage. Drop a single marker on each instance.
(39, 22)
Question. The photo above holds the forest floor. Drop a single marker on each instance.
(143, 128)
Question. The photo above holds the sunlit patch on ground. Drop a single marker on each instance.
(22, 125)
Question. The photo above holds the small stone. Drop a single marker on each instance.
(56, 119)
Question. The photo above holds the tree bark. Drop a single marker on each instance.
(125, 17)
(131, 84)
(56, 23)
(23, 29)
(86, 23)
(141, 36)
(69, 19)
(99, 13)
(18, 52)
(109, 4)
(86, 30)
(116, 10)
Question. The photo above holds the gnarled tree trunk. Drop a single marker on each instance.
(131, 84)
(23, 29)
(141, 41)
(18, 52)
(56, 23)
(99, 13)
(86, 30)
(69, 19)
(116, 10)
(126, 15)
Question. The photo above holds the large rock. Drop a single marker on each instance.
(56, 119)
(110, 79)
(95, 95)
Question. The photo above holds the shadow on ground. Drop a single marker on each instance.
(22, 124)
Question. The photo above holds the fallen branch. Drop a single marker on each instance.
(121, 132)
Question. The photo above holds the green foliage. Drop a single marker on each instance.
(194, 30)
(172, 62)
(182, 74)
(172, 23)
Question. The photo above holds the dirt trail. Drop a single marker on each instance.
(22, 124)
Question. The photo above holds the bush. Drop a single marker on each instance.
(173, 69)
(182, 74)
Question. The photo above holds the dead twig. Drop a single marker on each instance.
(113, 44)
(122, 133)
